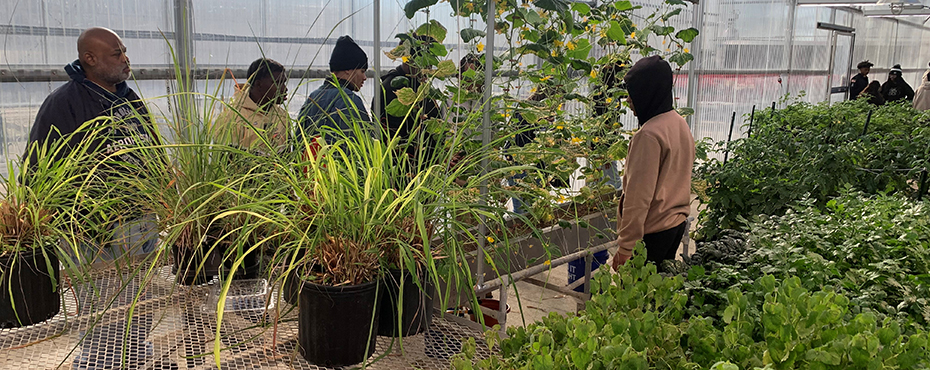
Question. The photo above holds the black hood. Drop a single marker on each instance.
(649, 83)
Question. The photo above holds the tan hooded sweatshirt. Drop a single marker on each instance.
(232, 124)
(657, 175)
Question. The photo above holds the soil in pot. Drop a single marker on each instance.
(416, 304)
(335, 326)
(187, 264)
(29, 294)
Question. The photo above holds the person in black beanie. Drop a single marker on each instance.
(896, 88)
(336, 104)
(859, 82)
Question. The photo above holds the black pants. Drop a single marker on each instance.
(663, 245)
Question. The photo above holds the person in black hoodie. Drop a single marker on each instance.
(860, 81)
(98, 89)
(418, 142)
(337, 100)
(896, 88)
(656, 198)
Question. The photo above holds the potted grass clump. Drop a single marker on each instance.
(37, 210)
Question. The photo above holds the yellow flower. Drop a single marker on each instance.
(667, 49)
(480, 47)
(633, 35)
(559, 127)
(554, 53)
(570, 45)
(545, 78)
(616, 124)
(533, 89)
(547, 263)
(490, 240)
(609, 100)
(470, 6)
(576, 140)
(593, 73)
(557, 43)
(405, 59)
(560, 106)
(562, 199)
(687, 51)
(597, 139)
(663, 41)
(603, 34)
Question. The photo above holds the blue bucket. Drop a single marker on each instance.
(576, 268)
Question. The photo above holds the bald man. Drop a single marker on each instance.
(98, 92)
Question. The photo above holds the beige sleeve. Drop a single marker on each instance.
(642, 172)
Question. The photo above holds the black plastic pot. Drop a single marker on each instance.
(335, 325)
(187, 264)
(28, 293)
(416, 304)
(249, 269)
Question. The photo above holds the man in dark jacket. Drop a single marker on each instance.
(896, 88)
(98, 90)
(860, 81)
(409, 127)
(335, 104)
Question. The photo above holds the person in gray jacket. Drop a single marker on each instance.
(336, 104)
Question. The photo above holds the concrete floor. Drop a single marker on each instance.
(535, 302)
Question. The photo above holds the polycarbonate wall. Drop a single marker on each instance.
(750, 52)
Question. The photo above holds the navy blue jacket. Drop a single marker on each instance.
(79, 101)
(329, 105)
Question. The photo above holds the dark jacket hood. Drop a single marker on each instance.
(76, 72)
(649, 83)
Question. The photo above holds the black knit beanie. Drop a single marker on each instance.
(347, 55)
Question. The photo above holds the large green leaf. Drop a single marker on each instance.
(687, 35)
(615, 32)
(433, 29)
(671, 14)
(681, 58)
(396, 109)
(532, 17)
(662, 30)
(552, 5)
(581, 8)
(675, 2)
(469, 34)
(415, 5)
(623, 5)
(539, 50)
(582, 48)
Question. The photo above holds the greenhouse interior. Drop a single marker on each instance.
(550, 184)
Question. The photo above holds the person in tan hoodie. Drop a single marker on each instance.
(257, 102)
(657, 178)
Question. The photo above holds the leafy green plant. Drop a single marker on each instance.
(813, 151)
(637, 322)
(874, 250)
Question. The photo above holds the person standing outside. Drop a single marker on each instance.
(860, 81)
(896, 88)
(657, 178)
(98, 89)
(336, 103)
(256, 110)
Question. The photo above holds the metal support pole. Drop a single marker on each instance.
(726, 153)
(868, 119)
(773, 109)
(752, 117)
(588, 260)
(376, 106)
(852, 47)
(697, 20)
(831, 65)
(792, 15)
(184, 50)
(486, 137)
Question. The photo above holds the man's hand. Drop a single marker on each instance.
(619, 259)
